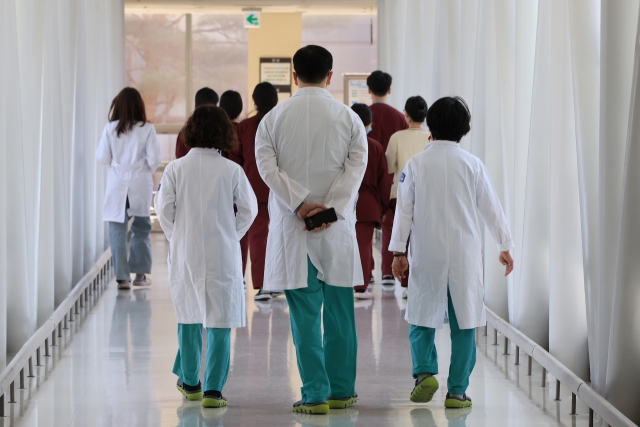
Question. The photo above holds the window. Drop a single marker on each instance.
(155, 48)
(220, 54)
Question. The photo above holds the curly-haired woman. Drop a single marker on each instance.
(195, 206)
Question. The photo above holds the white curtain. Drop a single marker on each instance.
(63, 62)
(548, 83)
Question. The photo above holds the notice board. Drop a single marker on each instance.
(277, 71)
(355, 89)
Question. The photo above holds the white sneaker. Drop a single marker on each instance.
(262, 295)
(144, 282)
(125, 284)
(404, 293)
(363, 295)
(388, 281)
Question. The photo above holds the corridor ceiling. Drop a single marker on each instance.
(274, 6)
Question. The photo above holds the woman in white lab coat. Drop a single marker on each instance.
(130, 148)
(195, 206)
(445, 199)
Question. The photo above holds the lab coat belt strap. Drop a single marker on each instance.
(136, 165)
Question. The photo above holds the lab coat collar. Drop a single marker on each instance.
(201, 150)
(442, 143)
(313, 91)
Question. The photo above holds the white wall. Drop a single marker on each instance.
(62, 63)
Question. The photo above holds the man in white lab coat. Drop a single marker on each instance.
(445, 199)
(311, 151)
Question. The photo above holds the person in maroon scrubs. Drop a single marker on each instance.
(265, 97)
(386, 121)
(373, 199)
(231, 103)
(204, 96)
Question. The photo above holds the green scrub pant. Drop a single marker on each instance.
(327, 364)
(463, 352)
(187, 364)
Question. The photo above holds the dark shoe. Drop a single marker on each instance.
(388, 281)
(213, 399)
(188, 391)
(311, 408)
(124, 284)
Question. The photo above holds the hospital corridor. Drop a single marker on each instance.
(319, 213)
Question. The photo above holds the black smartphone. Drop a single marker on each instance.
(325, 217)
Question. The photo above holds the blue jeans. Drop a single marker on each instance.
(139, 258)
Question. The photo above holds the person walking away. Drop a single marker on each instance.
(311, 151)
(195, 206)
(373, 198)
(386, 121)
(130, 148)
(204, 96)
(265, 97)
(405, 144)
(231, 103)
(445, 199)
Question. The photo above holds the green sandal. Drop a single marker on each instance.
(345, 402)
(456, 402)
(311, 408)
(424, 390)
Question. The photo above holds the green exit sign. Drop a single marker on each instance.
(251, 19)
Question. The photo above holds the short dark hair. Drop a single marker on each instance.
(128, 109)
(364, 112)
(312, 63)
(379, 82)
(416, 108)
(206, 96)
(265, 96)
(449, 119)
(231, 102)
(210, 127)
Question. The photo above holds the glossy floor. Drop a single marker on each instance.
(113, 368)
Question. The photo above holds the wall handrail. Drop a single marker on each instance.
(578, 387)
(98, 276)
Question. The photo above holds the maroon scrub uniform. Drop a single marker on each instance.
(386, 121)
(181, 147)
(373, 199)
(259, 230)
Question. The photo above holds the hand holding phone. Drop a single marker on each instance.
(316, 221)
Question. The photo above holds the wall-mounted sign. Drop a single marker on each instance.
(356, 90)
(251, 19)
(276, 71)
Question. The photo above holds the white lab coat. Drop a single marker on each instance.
(444, 197)
(311, 149)
(195, 207)
(132, 158)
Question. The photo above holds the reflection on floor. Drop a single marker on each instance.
(113, 368)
